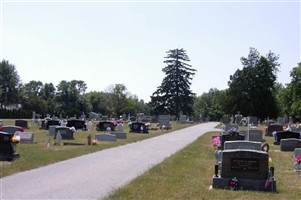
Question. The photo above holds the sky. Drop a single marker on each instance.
(125, 42)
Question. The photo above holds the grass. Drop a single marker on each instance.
(188, 175)
(37, 155)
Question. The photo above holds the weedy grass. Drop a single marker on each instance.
(188, 175)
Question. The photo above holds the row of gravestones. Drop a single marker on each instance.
(287, 139)
(240, 120)
(242, 164)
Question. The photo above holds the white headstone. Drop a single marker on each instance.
(89, 126)
(58, 138)
(120, 128)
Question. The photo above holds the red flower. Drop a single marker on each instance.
(298, 159)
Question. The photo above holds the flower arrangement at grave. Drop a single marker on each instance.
(233, 184)
(94, 142)
(216, 141)
(233, 132)
(270, 161)
(297, 160)
(15, 139)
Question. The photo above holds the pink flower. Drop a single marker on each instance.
(216, 141)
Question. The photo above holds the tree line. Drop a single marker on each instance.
(252, 90)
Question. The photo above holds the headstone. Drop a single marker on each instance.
(249, 167)
(164, 120)
(138, 127)
(254, 135)
(22, 123)
(231, 137)
(273, 127)
(77, 124)
(227, 127)
(120, 128)
(65, 132)
(119, 133)
(50, 122)
(290, 144)
(285, 135)
(238, 117)
(252, 121)
(297, 158)
(242, 144)
(11, 129)
(105, 137)
(281, 120)
(226, 119)
(146, 118)
(296, 128)
(183, 119)
(103, 125)
(51, 130)
(7, 148)
(25, 137)
(89, 126)
(58, 138)
(93, 115)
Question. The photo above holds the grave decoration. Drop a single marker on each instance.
(297, 158)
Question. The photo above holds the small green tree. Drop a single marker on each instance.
(174, 95)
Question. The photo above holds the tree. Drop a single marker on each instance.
(252, 89)
(210, 105)
(100, 102)
(290, 97)
(48, 93)
(31, 98)
(9, 84)
(69, 100)
(174, 95)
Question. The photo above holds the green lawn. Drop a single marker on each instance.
(188, 175)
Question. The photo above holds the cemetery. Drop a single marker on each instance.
(238, 161)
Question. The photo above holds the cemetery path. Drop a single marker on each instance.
(96, 175)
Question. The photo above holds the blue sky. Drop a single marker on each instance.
(104, 43)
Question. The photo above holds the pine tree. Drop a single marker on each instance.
(174, 95)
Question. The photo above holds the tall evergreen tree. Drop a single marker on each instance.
(174, 95)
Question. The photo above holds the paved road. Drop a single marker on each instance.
(96, 175)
